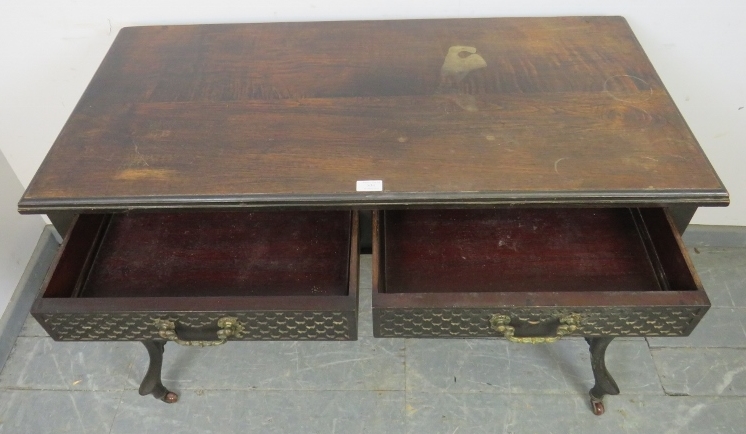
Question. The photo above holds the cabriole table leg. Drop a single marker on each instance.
(605, 385)
(151, 384)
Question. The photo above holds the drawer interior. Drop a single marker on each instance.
(196, 254)
(528, 250)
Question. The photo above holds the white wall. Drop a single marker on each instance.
(49, 49)
(18, 234)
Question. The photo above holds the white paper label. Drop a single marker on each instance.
(370, 185)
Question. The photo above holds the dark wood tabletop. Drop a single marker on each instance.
(443, 112)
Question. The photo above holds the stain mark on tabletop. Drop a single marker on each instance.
(465, 101)
(144, 173)
(458, 63)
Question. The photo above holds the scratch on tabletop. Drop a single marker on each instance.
(557, 162)
(611, 94)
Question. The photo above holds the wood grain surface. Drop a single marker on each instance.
(488, 111)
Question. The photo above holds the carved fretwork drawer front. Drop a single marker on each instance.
(532, 274)
(256, 326)
(476, 323)
(205, 277)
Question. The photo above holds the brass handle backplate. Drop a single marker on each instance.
(501, 324)
(229, 327)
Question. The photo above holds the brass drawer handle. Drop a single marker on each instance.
(229, 326)
(501, 324)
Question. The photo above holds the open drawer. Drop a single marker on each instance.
(205, 276)
(525, 273)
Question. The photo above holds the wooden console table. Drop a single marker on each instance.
(527, 178)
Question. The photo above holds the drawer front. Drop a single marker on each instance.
(532, 275)
(259, 325)
(240, 276)
(476, 322)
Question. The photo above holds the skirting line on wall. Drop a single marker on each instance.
(23, 297)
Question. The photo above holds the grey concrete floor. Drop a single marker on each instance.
(695, 384)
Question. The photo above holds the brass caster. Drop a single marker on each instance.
(597, 406)
(170, 398)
